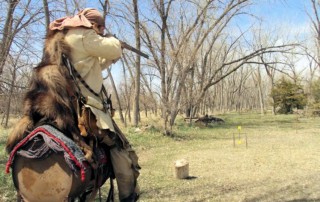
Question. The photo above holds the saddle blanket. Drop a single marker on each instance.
(51, 140)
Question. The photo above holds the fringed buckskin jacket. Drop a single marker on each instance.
(90, 55)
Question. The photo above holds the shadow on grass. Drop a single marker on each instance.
(247, 121)
(191, 178)
(288, 193)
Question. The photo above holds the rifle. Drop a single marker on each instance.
(128, 47)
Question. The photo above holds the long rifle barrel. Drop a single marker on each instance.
(127, 46)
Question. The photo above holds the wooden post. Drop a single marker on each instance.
(181, 169)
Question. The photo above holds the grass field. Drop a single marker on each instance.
(281, 162)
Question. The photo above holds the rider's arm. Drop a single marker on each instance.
(108, 48)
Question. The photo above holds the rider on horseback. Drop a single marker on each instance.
(90, 54)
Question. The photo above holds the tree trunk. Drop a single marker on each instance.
(260, 91)
(164, 93)
(46, 13)
(136, 106)
(10, 98)
(7, 39)
(116, 94)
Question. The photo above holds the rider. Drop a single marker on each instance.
(90, 54)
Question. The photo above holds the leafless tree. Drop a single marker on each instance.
(16, 22)
(201, 45)
(315, 19)
(136, 106)
(7, 37)
(199, 60)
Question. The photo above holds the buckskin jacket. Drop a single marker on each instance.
(90, 55)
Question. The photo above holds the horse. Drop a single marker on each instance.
(48, 166)
(48, 179)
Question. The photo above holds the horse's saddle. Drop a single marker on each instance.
(45, 139)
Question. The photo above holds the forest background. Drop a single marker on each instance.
(206, 57)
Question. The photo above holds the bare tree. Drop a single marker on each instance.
(257, 78)
(198, 43)
(14, 61)
(7, 36)
(315, 19)
(136, 106)
(15, 23)
(163, 9)
(15, 78)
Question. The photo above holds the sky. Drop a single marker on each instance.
(292, 16)
(291, 13)
(289, 10)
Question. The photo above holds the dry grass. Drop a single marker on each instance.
(281, 163)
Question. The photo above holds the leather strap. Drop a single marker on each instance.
(74, 74)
